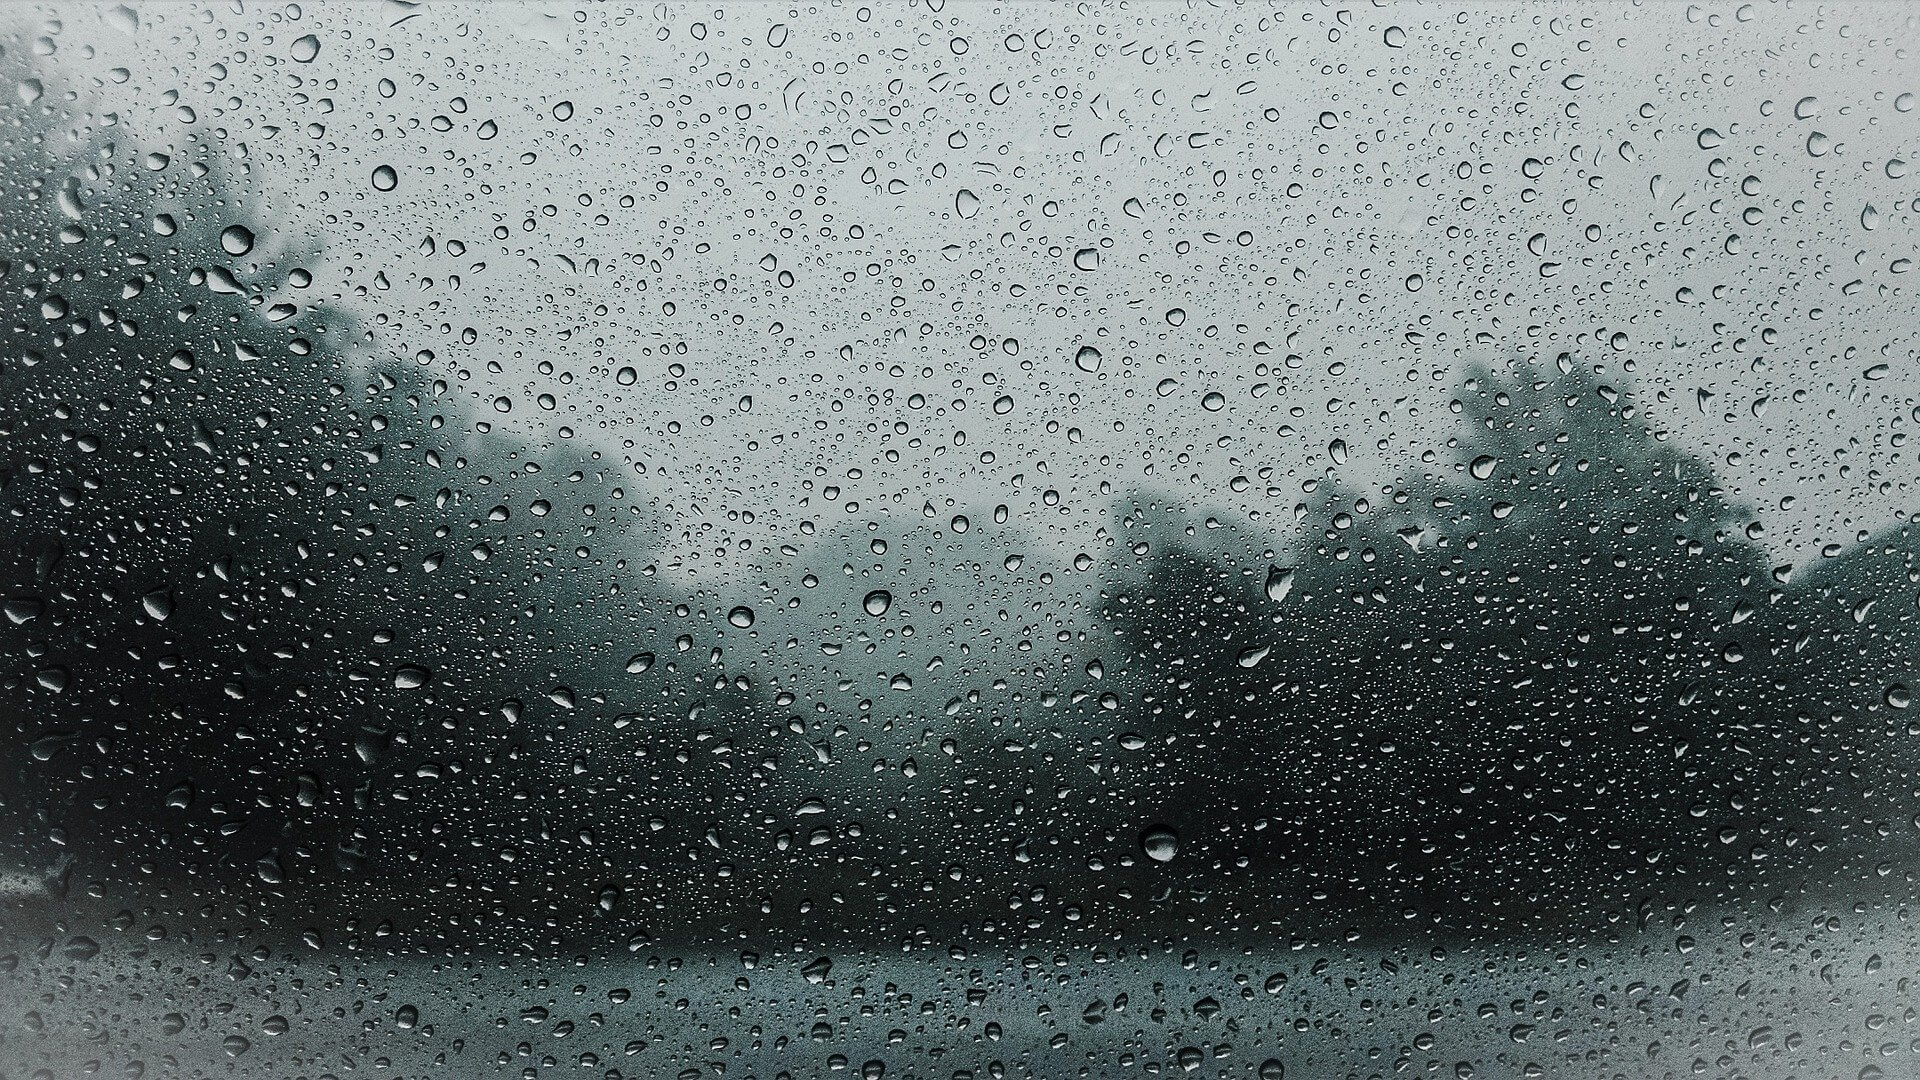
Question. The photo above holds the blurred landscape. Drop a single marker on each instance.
(350, 721)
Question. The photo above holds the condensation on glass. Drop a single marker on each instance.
(958, 540)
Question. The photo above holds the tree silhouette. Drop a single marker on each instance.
(288, 626)
(291, 631)
(1548, 670)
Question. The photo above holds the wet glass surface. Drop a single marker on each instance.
(958, 541)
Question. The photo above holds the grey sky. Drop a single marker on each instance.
(1321, 214)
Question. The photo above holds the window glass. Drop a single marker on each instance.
(953, 540)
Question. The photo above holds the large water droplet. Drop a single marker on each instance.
(1279, 582)
(236, 239)
(877, 602)
(158, 604)
(1160, 843)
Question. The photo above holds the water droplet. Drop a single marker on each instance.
(1160, 843)
(304, 49)
(1337, 449)
(639, 662)
(158, 604)
(877, 602)
(236, 239)
(1898, 696)
(741, 616)
(409, 677)
(385, 179)
(966, 204)
(1279, 582)
(1087, 359)
(1482, 466)
(1395, 37)
(563, 111)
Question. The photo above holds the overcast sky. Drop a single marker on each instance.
(864, 249)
